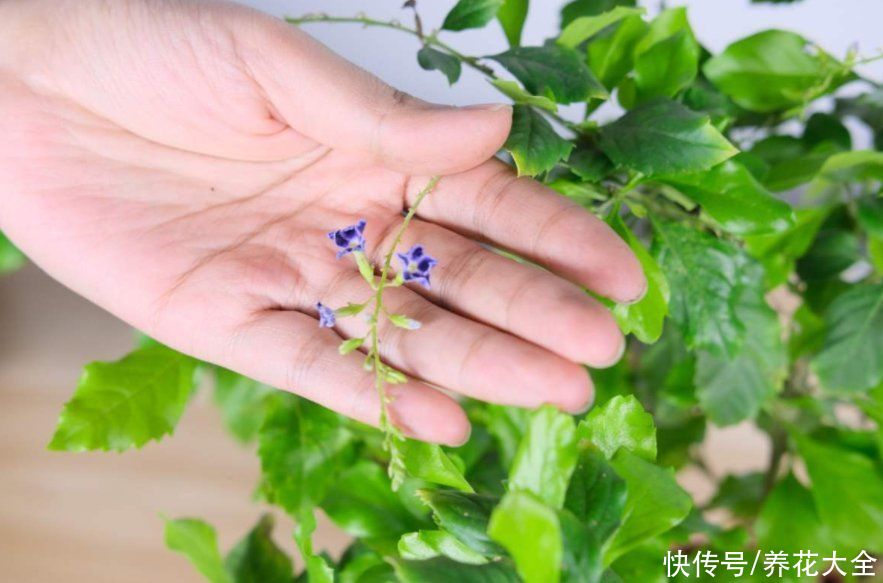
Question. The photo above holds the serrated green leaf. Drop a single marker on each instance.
(655, 503)
(124, 404)
(846, 487)
(242, 401)
(516, 93)
(596, 494)
(471, 14)
(552, 71)
(732, 388)
(512, 15)
(529, 531)
(771, 70)
(303, 447)
(317, 569)
(705, 275)
(198, 541)
(546, 457)
(664, 137)
(427, 544)
(581, 558)
(645, 317)
(431, 59)
(583, 28)
(621, 423)
(852, 355)
(429, 462)
(444, 570)
(257, 559)
(465, 516)
(534, 145)
(11, 258)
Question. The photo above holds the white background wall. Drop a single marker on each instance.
(833, 24)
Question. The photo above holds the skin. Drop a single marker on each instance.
(180, 163)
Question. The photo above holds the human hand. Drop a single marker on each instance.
(180, 163)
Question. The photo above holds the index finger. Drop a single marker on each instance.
(490, 203)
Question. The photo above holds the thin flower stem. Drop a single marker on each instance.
(429, 40)
(378, 307)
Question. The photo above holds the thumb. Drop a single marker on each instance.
(326, 98)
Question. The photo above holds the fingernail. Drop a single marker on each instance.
(488, 107)
(640, 296)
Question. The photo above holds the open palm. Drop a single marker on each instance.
(180, 164)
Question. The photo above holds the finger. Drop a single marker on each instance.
(464, 356)
(288, 350)
(490, 203)
(522, 299)
(338, 104)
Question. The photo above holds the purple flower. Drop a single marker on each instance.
(326, 316)
(416, 265)
(349, 239)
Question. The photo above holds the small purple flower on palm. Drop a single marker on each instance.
(327, 319)
(349, 239)
(416, 265)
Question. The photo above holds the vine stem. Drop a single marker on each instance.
(378, 304)
(430, 40)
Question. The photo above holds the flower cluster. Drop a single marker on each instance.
(416, 267)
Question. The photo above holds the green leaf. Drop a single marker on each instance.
(583, 28)
(471, 14)
(10, 257)
(124, 404)
(645, 317)
(621, 423)
(302, 447)
(655, 503)
(705, 275)
(534, 145)
(875, 253)
(242, 401)
(507, 425)
(870, 215)
(612, 57)
(581, 558)
(734, 387)
(667, 67)
(257, 559)
(846, 487)
(578, 8)
(197, 541)
(427, 544)
(778, 252)
(350, 345)
(596, 494)
(431, 59)
(443, 570)
(789, 520)
(546, 457)
(362, 503)
(667, 57)
(850, 359)
(771, 70)
(731, 196)
(857, 166)
(552, 71)
(516, 93)
(512, 15)
(465, 516)
(741, 494)
(529, 531)
(664, 137)
(835, 249)
(317, 568)
(427, 461)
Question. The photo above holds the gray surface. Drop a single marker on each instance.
(833, 24)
